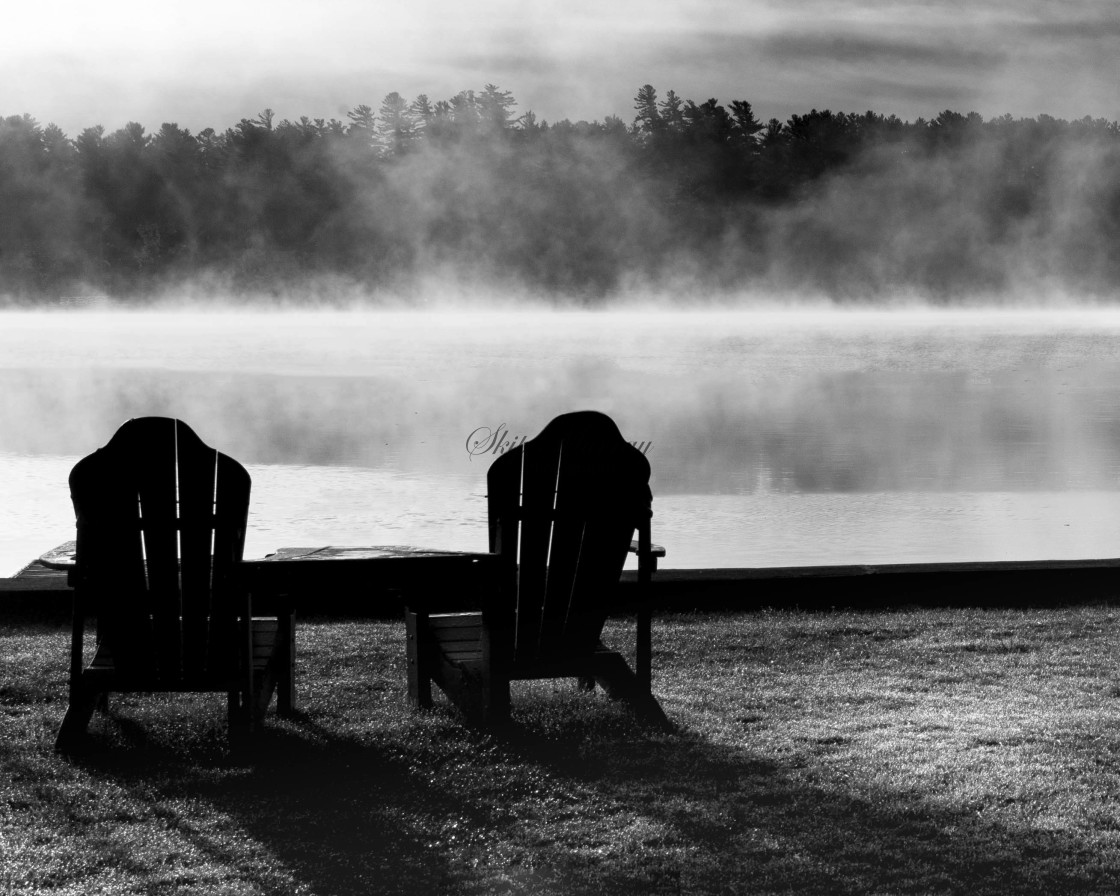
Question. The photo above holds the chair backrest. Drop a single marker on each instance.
(161, 523)
(563, 508)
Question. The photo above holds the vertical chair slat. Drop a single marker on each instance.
(499, 608)
(537, 494)
(196, 470)
(568, 543)
(231, 515)
(157, 487)
(230, 602)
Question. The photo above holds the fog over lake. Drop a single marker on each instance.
(782, 437)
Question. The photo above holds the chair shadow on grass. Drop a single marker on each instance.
(322, 811)
(712, 818)
(570, 801)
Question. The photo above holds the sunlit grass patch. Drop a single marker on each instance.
(931, 751)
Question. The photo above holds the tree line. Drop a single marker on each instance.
(688, 199)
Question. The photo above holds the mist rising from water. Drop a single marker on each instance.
(744, 413)
(731, 402)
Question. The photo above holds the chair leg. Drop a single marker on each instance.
(285, 659)
(240, 716)
(264, 685)
(78, 714)
(276, 643)
(416, 654)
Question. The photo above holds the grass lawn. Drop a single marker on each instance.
(924, 751)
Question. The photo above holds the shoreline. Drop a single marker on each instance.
(36, 592)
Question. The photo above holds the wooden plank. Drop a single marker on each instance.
(461, 655)
(196, 472)
(463, 627)
(503, 504)
(154, 454)
(865, 571)
(569, 548)
(1031, 583)
(540, 467)
(36, 577)
(860, 570)
(264, 633)
(335, 553)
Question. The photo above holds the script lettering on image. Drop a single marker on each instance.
(497, 440)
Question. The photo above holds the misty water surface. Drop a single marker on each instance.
(776, 438)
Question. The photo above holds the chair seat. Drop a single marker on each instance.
(460, 665)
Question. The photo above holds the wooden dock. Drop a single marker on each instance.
(35, 592)
(38, 592)
(1032, 583)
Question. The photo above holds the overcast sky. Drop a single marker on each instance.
(209, 63)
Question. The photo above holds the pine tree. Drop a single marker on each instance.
(648, 120)
(396, 126)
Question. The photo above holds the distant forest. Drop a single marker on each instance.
(687, 199)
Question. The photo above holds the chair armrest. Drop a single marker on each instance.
(61, 557)
(655, 551)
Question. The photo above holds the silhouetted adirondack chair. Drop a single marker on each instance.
(160, 529)
(563, 510)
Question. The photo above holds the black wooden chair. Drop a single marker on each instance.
(563, 510)
(161, 523)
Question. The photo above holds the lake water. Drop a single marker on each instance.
(776, 438)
